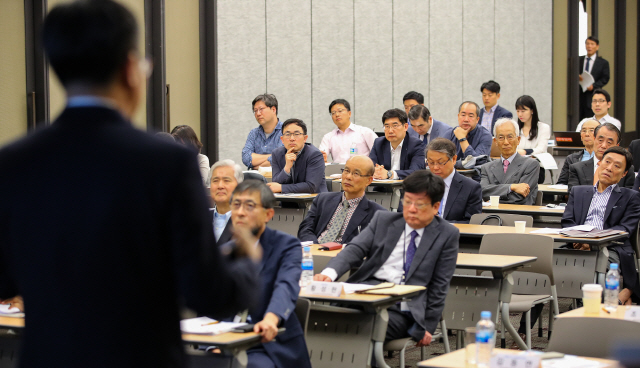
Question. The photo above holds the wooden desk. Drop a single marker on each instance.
(618, 314)
(521, 209)
(456, 359)
(499, 265)
(546, 188)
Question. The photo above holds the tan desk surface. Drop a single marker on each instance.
(221, 339)
(618, 314)
(490, 261)
(456, 359)
(546, 188)
(12, 322)
(285, 196)
(360, 298)
(323, 253)
(267, 174)
(524, 209)
(374, 183)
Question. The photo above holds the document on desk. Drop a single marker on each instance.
(207, 326)
(546, 161)
(7, 311)
(559, 186)
(589, 234)
(571, 361)
(546, 230)
(291, 195)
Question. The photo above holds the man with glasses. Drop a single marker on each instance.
(586, 172)
(297, 167)
(462, 196)
(586, 135)
(600, 105)
(264, 139)
(423, 124)
(469, 140)
(251, 208)
(339, 143)
(513, 177)
(415, 247)
(340, 216)
(396, 155)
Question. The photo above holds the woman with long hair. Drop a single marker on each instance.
(186, 136)
(534, 134)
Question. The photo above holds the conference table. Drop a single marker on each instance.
(522, 209)
(580, 312)
(552, 189)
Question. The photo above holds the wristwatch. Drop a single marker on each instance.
(389, 174)
(462, 139)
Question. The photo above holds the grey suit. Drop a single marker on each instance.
(432, 266)
(495, 182)
(581, 173)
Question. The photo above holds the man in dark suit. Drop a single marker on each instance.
(492, 111)
(409, 100)
(414, 247)
(251, 208)
(426, 128)
(586, 172)
(225, 176)
(513, 177)
(462, 196)
(587, 136)
(598, 67)
(297, 167)
(329, 220)
(104, 251)
(396, 155)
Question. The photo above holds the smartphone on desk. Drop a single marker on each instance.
(243, 329)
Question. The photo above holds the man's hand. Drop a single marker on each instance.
(266, 163)
(380, 172)
(460, 133)
(275, 187)
(15, 302)
(580, 77)
(321, 277)
(426, 340)
(581, 246)
(590, 88)
(522, 152)
(324, 154)
(247, 244)
(522, 189)
(290, 158)
(268, 327)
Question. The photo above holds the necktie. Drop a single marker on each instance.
(586, 68)
(411, 252)
(336, 225)
(505, 163)
(426, 138)
(440, 209)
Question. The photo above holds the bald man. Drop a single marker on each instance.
(340, 216)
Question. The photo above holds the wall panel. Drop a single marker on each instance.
(538, 34)
(509, 50)
(478, 53)
(631, 78)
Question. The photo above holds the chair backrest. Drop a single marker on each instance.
(253, 176)
(333, 169)
(591, 336)
(303, 306)
(507, 219)
(539, 246)
(539, 195)
(635, 241)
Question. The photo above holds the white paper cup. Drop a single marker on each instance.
(520, 225)
(495, 201)
(591, 296)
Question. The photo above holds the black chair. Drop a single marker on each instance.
(253, 176)
(634, 148)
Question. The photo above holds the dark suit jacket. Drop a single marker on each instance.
(432, 266)
(622, 213)
(500, 112)
(634, 148)
(600, 72)
(570, 160)
(226, 233)
(95, 213)
(636, 184)
(308, 171)
(495, 182)
(464, 199)
(323, 208)
(411, 156)
(438, 130)
(279, 276)
(581, 173)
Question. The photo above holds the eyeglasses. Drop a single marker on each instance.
(260, 110)
(439, 164)
(599, 101)
(417, 205)
(392, 126)
(295, 135)
(249, 206)
(341, 111)
(509, 137)
(355, 174)
(587, 130)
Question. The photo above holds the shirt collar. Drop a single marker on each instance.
(90, 101)
(449, 179)
(397, 148)
(278, 127)
(510, 159)
(408, 229)
(431, 127)
(609, 188)
(493, 109)
(352, 202)
(219, 215)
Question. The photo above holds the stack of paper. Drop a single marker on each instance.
(5, 310)
(207, 326)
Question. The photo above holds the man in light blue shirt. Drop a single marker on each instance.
(225, 176)
(265, 138)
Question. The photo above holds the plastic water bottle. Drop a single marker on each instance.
(612, 288)
(485, 339)
(307, 267)
(353, 150)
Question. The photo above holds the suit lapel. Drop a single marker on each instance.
(456, 186)
(403, 153)
(332, 203)
(429, 236)
(584, 205)
(587, 171)
(226, 233)
(613, 200)
(513, 168)
(498, 171)
(360, 213)
(391, 240)
(386, 153)
(267, 247)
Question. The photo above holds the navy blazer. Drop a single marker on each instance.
(438, 130)
(500, 112)
(308, 171)
(563, 178)
(622, 213)
(464, 199)
(581, 173)
(411, 156)
(323, 208)
(279, 288)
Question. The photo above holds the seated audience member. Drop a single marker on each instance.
(426, 128)
(462, 196)
(167, 137)
(225, 176)
(262, 140)
(410, 100)
(338, 142)
(185, 135)
(414, 247)
(586, 135)
(492, 111)
(396, 155)
(586, 172)
(534, 134)
(513, 177)
(340, 216)
(469, 140)
(251, 208)
(600, 104)
(297, 167)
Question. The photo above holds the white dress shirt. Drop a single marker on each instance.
(595, 163)
(539, 143)
(338, 143)
(447, 185)
(593, 60)
(395, 158)
(605, 119)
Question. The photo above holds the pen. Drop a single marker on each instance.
(210, 323)
(606, 311)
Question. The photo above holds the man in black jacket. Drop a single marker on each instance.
(598, 67)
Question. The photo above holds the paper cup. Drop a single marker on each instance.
(470, 346)
(591, 296)
(520, 225)
(495, 201)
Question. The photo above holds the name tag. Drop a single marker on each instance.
(632, 314)
(324, 288)
(515, 361)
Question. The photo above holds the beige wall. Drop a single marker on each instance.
(631, 79)
(13, 96)
(183, 62)
(56, 92)
(560, 40)
(606, 31)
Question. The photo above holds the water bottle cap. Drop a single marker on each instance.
(613, 266)
(307, 248)
(485, 314)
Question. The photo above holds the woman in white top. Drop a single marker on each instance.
(534, 135)
(186, 136)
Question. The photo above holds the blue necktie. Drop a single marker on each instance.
(411, 251)
(586, 69)
(426, 139)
